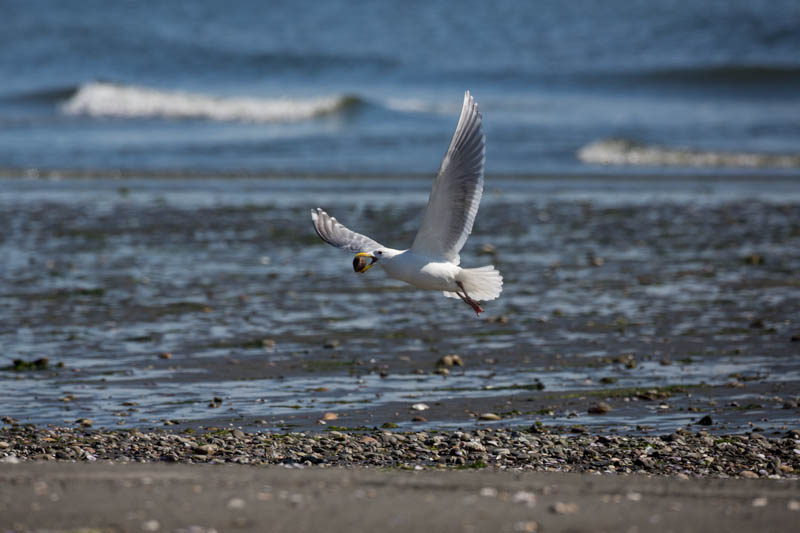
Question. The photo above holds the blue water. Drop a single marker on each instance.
(360, 87)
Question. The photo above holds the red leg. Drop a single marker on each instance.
(469, 301)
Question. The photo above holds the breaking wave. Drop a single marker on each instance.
(628, 152)
(100, 99)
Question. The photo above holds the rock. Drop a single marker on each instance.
(84, 422)
(330, 416)
(599, 408)
(205, 449)
(705, 421)
(331, 343)
(489, 416)
(420, 407)
(165, 355)
(450, 360)
(419, 419)
(748, 474)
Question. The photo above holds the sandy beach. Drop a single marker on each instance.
(135, 497)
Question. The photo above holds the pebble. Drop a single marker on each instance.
(489, 416)
(681, 455)
(599, 408)
(564, 508)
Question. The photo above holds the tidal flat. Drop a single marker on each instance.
(632, 306)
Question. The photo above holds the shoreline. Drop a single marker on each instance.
(682, 454)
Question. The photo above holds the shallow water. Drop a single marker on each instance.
(694, 280)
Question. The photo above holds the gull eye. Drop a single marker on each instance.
(379, 252)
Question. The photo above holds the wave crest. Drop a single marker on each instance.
(98, 99)
(617, 151)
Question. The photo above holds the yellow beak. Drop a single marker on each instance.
(360, 264)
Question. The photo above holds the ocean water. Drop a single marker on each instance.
(346, 87)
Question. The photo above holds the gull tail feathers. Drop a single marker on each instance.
(482, 284)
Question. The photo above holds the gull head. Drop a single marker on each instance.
(360, 261)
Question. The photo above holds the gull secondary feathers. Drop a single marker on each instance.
(433, 260)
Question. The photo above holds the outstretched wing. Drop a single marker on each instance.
(335, 234)
(456, 191)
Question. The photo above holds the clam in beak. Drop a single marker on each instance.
(360, 264)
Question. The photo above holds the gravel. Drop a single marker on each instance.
(681, 454)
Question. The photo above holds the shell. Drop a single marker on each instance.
(359, 263)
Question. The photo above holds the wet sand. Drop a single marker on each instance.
(113, 497)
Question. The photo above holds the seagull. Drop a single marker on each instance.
(433, 260)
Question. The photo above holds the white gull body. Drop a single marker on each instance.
(433, 262)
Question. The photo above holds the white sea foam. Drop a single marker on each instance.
(123, 101)
(627, 152)
(418, 105)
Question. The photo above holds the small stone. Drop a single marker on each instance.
(10, 460)
(599, 408)
(420, 407)
(564, 508)
(331, 343)
(450, 360)
(205, 449)
(748, 474)
(236, 503)
(419, 419)
(489, 416)
(165, 355)
(760, 502)
(793, 505)
(84, 422)
(151, 525)
(705, 421)
(330, 416)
